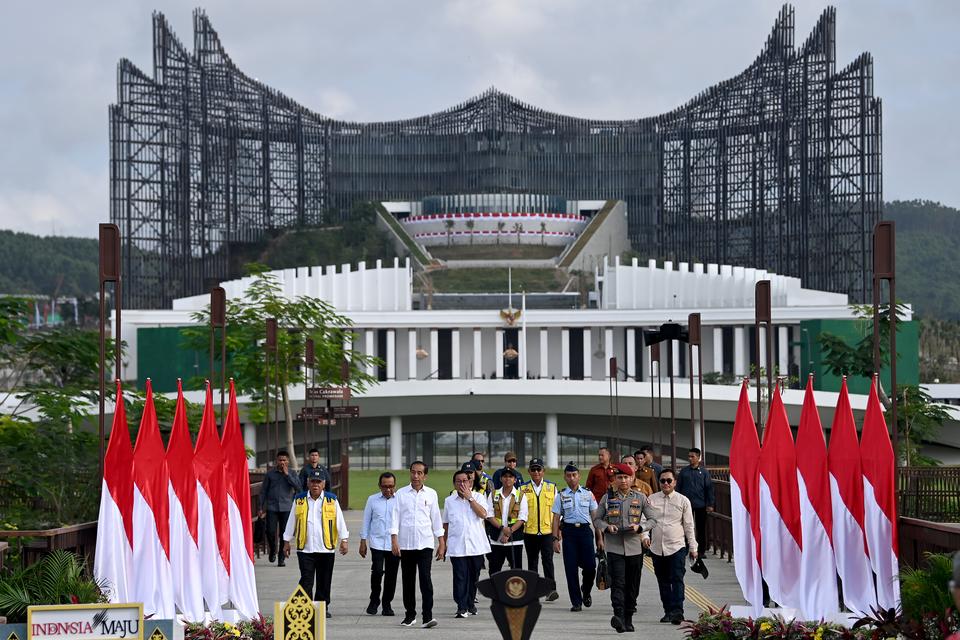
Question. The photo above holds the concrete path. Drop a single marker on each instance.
(351, 585)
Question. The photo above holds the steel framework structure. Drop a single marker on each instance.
(776, 168)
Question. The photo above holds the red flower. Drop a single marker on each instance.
(74, 599)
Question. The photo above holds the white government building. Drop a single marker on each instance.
(537, 382)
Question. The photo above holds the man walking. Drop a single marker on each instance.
(640, 485)
(646, 452)
(276, 497)
(598, 479)
(696, 484)
(506, 515)
(669, 540)
(574, 507)
(619, 518)
(313, 464)
(379, 514)
(466, 541)
(417, 526)
(645, 472)
(539, 495)
(486, 482)
(317, 525)
(509, 462)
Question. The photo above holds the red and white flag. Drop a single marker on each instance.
(880, 502)
(780, 533)
(745, 503)
(184, 545)
(846, 496)
(243, 581)
(114, 553)
(212, 520)
(818, 567)
(153, 583)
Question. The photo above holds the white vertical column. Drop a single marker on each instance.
(565, 354)
(434, 352)
(455, 354)
(522, 358)
(396, 442)
(412, 354)
(544, 356)
(552, 453)
(369, 349)
(587, 355)
(391, 354)
(648, 358)
(498, 356)
(762, 358)
(250, 442)
(739, 352)
(632, 354)
(477, 354)
(783, 346)
(718, 349)
(679, 349)
(607, 350)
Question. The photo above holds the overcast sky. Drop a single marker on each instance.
(389, 59)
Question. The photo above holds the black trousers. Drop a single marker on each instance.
(579, 553)
(511, 554)
(466, 569)
(700, 527)
(625, 576)
(276, 521)
(316, 567)
(385, 567)
(539, 548)
(669, 571)
(414, 563)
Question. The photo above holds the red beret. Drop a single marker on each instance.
(624, 469)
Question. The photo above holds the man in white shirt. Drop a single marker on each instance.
(506, 515)
(463, 518)
(670, 540)
(416, 528)
(317, 526)
(379, 514)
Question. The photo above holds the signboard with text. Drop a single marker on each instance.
(328, 393)
(85, 622)
(323, 422)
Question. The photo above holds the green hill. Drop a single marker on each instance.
(34, 264)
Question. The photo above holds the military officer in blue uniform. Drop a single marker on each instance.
(574, 507)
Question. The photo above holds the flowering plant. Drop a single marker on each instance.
(719, 624)
(260, 628)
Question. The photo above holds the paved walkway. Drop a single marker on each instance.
(351, 586)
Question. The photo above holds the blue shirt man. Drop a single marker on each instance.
(379, 516)
(575, 505)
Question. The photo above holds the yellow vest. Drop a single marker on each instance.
(512, 514)
(328, 517)
(539, 508)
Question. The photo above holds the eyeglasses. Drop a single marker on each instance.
(666, 481)
(512, 460)
(532, 469)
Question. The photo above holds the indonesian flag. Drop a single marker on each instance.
(880, 502)
(184, 549)
(846, 496)
(114, 553)
(780, 531)
(243, 582)
(818, 567)
(212, 520)
(153, 584)
(745, 503)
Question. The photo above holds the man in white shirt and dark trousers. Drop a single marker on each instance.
(317, 526)
(379, 514)
(463, 524)
(506, 515)
(670, 540)
(416, 527)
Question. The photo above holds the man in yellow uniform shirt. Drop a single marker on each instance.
(317, 526)
(538, 530)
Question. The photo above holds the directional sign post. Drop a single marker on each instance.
(328, 393)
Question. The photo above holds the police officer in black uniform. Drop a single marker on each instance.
(574, 505)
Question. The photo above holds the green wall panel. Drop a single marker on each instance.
(162, 357)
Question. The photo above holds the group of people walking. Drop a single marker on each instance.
(625, 510)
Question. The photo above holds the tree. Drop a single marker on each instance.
(500, 226)
(470, 225)
(297, 320)
(449, 225)
(518, 229)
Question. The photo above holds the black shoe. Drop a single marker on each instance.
(628, 624)
(617, 624)
(372, 610)
(281, 563)
(328, 615)
(666, 617)
(553, 595)
(429, 624)
(408, 621)
(676, 618)
(587, 600)
(576, 607)
(461, 614)
(387, 612)
(273, 558)
(472, 612)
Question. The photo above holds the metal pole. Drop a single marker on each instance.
(270, 345)
(109, 271)
(673, 423)
(703, 427)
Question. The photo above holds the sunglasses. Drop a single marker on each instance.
(512, 460)
(536, 468)
(666, 481)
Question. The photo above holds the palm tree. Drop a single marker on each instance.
(500, 226)
(470, 224)
(543, 233)
(518, 229)
(449, 225)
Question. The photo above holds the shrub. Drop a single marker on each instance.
(58, 578)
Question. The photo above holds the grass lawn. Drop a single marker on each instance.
(364, 482)
(494, 279)
(506, 251)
